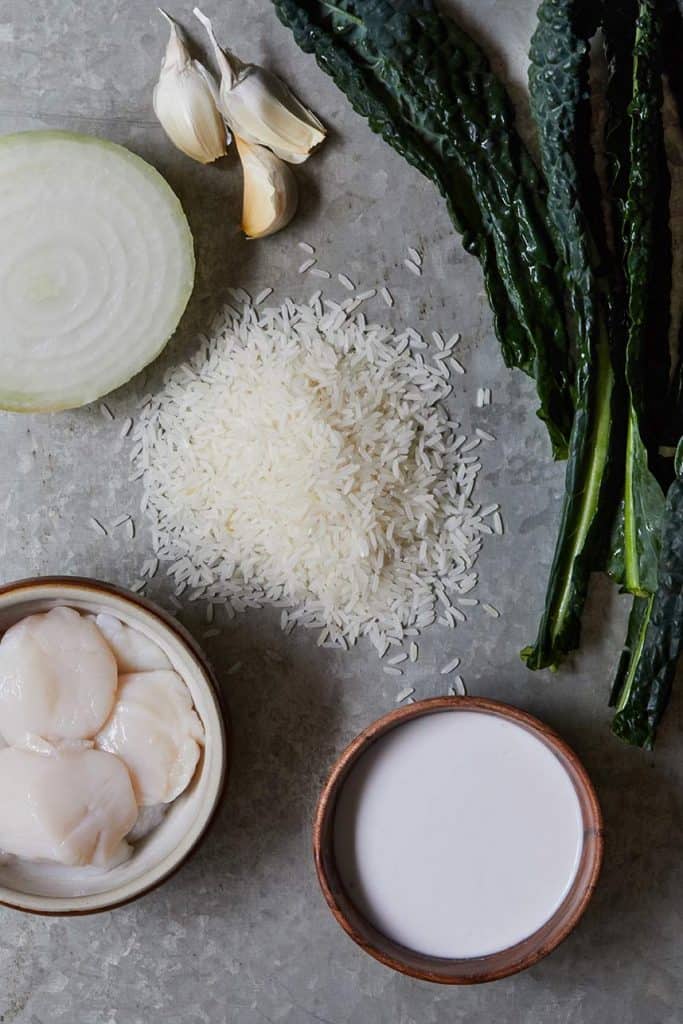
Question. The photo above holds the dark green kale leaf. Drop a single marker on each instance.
(560, 103)
(639, 189)
(430, 77)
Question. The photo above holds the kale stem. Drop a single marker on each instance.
(635, 657)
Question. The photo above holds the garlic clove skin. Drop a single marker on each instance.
(270, 190)
(185, 101)
(261, 109)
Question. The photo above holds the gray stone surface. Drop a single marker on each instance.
(242, 935)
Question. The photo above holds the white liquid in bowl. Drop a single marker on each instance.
(458, 834)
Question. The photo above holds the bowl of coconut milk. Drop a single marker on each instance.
(458, 840)
(113, 746)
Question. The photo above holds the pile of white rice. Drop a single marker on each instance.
(304, 459)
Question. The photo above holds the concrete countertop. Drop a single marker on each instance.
(241, 934)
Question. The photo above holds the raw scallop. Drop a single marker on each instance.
(57, 678)
(134, 652)
(155, 730)
(70, 806)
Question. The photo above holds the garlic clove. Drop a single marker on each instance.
(261, 109)
(270, 190)
(185, 101)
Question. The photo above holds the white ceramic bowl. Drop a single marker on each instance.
(54, 889)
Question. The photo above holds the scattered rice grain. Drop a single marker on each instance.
(398, 659)
(404, 694)
(484, 435)
(450, 666)
(97, 526)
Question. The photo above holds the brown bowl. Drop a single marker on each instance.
(474, 970)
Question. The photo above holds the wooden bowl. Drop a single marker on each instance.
(158, 856)
(473, 970)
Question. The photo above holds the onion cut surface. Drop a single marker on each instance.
(96, 268)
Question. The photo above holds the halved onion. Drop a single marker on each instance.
(96, 268)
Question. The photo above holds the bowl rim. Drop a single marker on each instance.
(475, 970)
(225, 737)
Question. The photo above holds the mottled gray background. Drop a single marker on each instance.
(242, 933)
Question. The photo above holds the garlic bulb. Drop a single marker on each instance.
(260, 108)
(270, 190)
(185, 101)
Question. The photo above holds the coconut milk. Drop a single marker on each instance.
(458, 834)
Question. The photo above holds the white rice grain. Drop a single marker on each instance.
(346, 282)
(397, 659)
(262, 296)
(404, 694)
(97, 526)
(450, 666)
(412, 267)
(484, 435)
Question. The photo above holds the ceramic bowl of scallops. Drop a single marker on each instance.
(113, 747)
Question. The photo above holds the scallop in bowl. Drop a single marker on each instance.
(161, 814)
